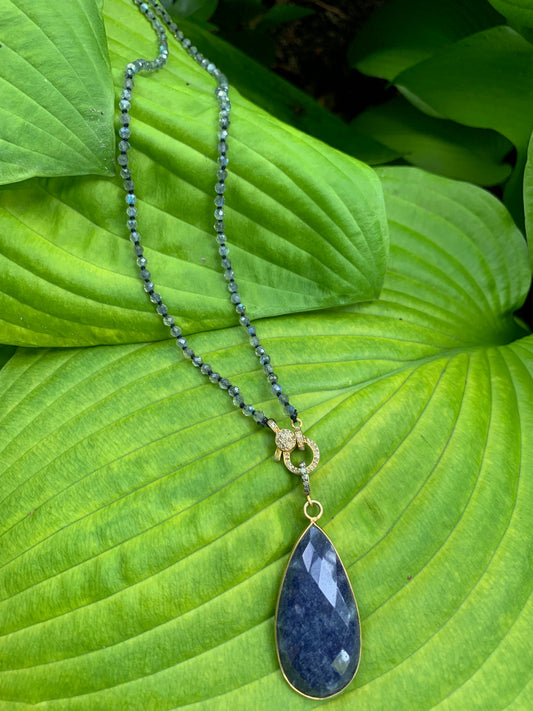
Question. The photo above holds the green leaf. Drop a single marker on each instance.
(402, 33)
(306, 224)
(57, 93)
(482, 81)
(145, 525)
(519, 12)
(283, 100)
(281, 14)
(199, 9)
(440, 146)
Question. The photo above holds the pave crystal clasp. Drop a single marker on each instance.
(287, 441)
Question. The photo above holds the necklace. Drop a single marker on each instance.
(318, 638)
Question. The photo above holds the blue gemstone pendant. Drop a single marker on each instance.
(318, 633)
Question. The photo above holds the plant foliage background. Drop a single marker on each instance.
(144, 526)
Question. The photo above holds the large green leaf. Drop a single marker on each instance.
(306, 224)
(145, 525)
(437, 145)
(57, 94)
(402, 33)
(518, 11)
(482, 81)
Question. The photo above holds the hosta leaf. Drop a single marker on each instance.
(437, 145)
(498, 63)
(57, 93)
(518, 11)
(402, 33)
(145, 525)
(482, 81)
(305, 223)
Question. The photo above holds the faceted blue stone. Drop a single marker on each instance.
(318, 632)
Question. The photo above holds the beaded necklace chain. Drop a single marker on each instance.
(221, 94)
(318, 637)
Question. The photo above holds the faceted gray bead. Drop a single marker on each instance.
(290, 410)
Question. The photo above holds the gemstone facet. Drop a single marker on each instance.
(318, 633)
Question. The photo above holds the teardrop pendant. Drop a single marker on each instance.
(318, 633)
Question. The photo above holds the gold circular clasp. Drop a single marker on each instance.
(309, 467)
(313, 502)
